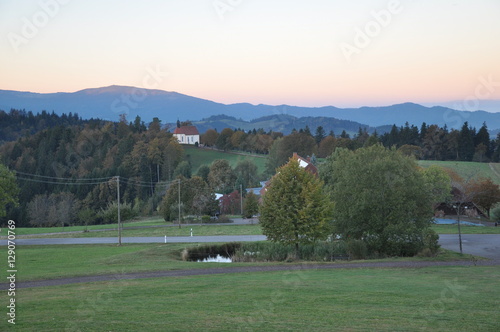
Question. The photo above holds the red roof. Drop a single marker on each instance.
(187, 130)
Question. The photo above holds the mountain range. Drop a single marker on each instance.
(109, 102)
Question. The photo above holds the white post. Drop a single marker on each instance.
(191, 232)
(165, 239)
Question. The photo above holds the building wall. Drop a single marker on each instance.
(188, 139)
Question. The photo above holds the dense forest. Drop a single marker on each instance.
(64, 163)
(77, 162)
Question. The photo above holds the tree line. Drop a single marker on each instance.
(76, 164)
(429, 142)
(376, 201)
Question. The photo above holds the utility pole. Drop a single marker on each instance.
(241, 199)
(179, 193)
(118, 200)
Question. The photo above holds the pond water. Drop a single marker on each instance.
(217, 259)
(454, 222)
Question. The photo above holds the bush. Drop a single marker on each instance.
(357, 249)
(276, 252)
(87, 217)
(110, 214)
(495, 213)
(222, 219)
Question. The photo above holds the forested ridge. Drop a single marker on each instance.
(78, 161)
(71, 164)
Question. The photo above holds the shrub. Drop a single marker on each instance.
(495, 213)
(357, 249)
(276, 252)
(222, 219)
(110, 214)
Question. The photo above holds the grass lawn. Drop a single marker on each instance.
(453, 229)
(199, 157)
(466, 169)
(59, 261)
(429, 299)
(147, 221)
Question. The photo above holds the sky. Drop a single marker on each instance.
(304, 53)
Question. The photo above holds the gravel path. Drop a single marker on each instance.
(241, 269)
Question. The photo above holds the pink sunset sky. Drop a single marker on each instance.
(307, 53)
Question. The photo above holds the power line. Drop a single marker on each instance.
(61, 183)
(57, 178)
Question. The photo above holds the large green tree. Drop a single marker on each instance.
(8, 190)
(294, 208)
(382, 198)
(221, 177)
(283, 148)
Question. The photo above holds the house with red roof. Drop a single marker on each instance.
(187, 135)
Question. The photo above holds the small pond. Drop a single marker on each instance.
(440, 221)
(217, 259)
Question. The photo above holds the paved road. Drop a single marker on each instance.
(484, 245)
(157, 239)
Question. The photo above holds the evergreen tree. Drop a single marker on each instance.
(320, 134)
(466, 143)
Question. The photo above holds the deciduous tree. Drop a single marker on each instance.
(295, 209)
(8, 190)
(381, 198)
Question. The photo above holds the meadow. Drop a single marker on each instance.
(199, 156)
(467, 169)
(429, 299)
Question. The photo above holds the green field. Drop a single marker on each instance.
(429, 299)
(199, 157)
(468, 169)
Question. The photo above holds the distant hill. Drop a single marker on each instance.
(109, 102)
(285, 124)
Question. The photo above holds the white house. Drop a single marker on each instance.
(187, 135)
